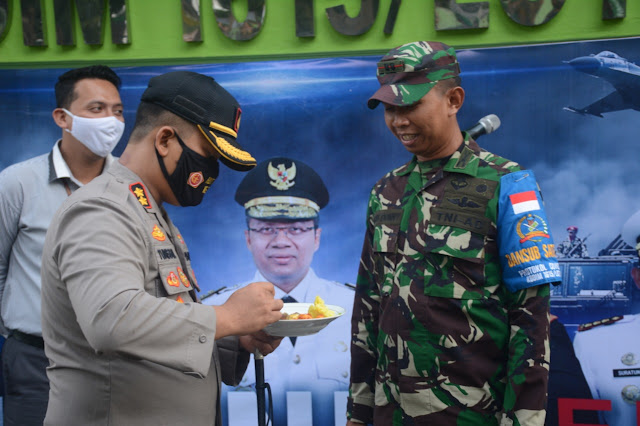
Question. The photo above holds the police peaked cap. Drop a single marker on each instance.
(282, 188)
(200, 100)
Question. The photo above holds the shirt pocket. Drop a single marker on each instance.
(454, 263)
(172, 277)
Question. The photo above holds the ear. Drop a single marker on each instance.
(247, 238)
(161, 139)
(316, 243)
(456, 99)
(61, 118)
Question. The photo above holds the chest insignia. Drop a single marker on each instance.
(629, 359)
(179, 299)
(606, 321)
(464, 202)
(183, 278)
(139, 191)
(459, 182)
(172, 279)
(630, 394)
(157, 233)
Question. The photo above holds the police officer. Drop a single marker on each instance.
(282, 198)
(609, 352)
(127, 340)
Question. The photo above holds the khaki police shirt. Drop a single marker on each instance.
(127, 342)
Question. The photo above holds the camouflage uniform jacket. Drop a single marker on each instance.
(436, 338)
(575, 248)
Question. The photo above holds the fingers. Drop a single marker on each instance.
(267, 348)
(266, 285)
(253, 308)
(278, 304)
(261, 341)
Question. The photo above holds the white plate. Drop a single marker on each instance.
(301, 327)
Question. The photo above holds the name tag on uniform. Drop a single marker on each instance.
(626, 372)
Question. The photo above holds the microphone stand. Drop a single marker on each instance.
(260, 387)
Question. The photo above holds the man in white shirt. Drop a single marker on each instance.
(308, 375)
(89, 112)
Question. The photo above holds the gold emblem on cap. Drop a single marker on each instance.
(281, 177)
(630, 394)
(629, 359)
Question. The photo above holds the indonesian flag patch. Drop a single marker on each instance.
(523, 202)
(525, 245)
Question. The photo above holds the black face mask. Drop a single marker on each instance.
(192, 177)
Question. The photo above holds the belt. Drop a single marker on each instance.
(29, 339)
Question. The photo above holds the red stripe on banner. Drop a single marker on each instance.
(521, 197)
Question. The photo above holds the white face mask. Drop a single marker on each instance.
(100, 135)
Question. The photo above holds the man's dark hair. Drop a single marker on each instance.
(150, 115)
(449, 83)
(65, 87)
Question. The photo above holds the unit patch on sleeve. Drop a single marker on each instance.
(527, 251)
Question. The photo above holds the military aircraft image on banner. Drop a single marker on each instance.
(623, 75)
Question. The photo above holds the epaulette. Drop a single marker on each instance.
(140, 192)
(606, 321)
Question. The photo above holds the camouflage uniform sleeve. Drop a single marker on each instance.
(364, 333)
(528, 363)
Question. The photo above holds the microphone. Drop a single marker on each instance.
(486, 125)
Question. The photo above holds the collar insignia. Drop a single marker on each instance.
(281, 177)
(139, 191)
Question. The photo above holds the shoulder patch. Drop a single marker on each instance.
(140, 192)
(526, 247)
(606, 321)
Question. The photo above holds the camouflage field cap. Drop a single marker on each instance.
(408, 72)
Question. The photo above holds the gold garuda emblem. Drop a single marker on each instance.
(281, 177)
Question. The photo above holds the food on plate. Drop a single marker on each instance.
(317, 310)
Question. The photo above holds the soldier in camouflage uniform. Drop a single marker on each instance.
(572, 246)
(451, 316)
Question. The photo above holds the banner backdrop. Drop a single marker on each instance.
(585, 158)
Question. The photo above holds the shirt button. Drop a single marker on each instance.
(345, 374)
(203, 338)
(296, 360)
